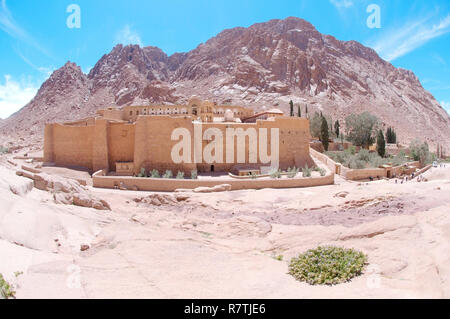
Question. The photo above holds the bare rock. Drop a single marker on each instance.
(215, 189)
(341, 194)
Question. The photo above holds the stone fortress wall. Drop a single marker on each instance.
(140, 137)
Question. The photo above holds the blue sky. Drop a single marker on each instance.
(35, 38)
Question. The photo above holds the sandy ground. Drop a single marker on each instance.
(223, 245)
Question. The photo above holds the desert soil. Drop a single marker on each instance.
(225, 245)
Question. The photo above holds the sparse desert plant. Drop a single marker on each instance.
(155, 174)
(279, 257)
(168, 174)
(327, 265)
(4, 150)
(306, 171)
(322, 172)
(180, 175)
(292, 172)
(6, 289)
(194, 174)
(275, 173)
(316, 169)
(142, 173)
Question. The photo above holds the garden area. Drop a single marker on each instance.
(365, 159)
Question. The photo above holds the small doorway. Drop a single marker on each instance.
(212, 168)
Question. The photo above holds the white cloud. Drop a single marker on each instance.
(446, 105)
(46, 71)
(342, 3)
(14, 95)
(411, 36)
(128, 36)
(11, 27)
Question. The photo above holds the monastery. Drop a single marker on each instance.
(122, 141)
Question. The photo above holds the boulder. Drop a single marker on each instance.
(66, 191)
(215, 189)
(17, 185)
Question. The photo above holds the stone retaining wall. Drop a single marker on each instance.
(170, 185)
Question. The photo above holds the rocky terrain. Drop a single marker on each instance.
(234, 244)
(262, 66)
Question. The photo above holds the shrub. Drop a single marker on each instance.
(6, 290)
(420, 152)
(3, 150)
(292, 172)
(306, 171)
(275, 173)
(351, 150)
(399, 159)
(322, 172)
(155, 174)
(327, 265)
(168, 174)
(363, 155)
(194, 174)
(142, 173)
(180, 175)
(253, 175)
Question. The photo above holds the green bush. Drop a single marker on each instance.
(6, 290)
(194, 174)
(292, 172)
(421, 152)
(168, 174)
(322, 172)
(3, 150)
(306, 171)
(180, 175)
(363, 155)
(155, 174)
(142, 173)
(275, 173)
(327, 265)
(351, 150)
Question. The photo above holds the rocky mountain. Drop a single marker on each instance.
(262, 66)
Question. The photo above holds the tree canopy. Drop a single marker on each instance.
(361, 129)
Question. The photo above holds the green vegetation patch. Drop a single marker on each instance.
(327, 265)
(6, 290)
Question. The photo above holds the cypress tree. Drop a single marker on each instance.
(391, 136)
(291, 104)
(299, 112)
(337, 126)
(381, 144)
(324, 137)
